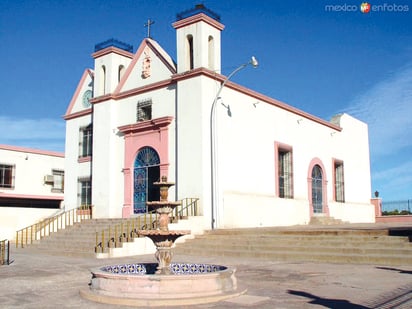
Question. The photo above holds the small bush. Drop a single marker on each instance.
(396, 213)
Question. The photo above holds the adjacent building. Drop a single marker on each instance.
(31, 187)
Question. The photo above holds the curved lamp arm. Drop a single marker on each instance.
(254, 63)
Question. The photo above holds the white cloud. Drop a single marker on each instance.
(42, 133)
(387, 109)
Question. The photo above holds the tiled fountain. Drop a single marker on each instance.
(162, 283)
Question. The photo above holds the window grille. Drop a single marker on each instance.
(339, 182)
(144, 110)
(85, 191)
(285, 173)
(86, 141)
(58, 181)
(7, 176)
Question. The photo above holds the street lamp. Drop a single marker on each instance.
(254, 63)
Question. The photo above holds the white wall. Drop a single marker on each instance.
(73, 168)
(246, 163)
(13, 219)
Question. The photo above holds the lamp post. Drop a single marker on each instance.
(254, 63)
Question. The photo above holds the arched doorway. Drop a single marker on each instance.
(317, 189)
(146, 172)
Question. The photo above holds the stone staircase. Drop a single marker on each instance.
(323, 220)
(77, 240)
(316, 244)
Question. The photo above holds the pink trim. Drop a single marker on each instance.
(281, 146)
(153, 133)
(31, 150)
(325, 210)
(139, 52)
(377, 202)
(254, 94)
(112, 49)
(84, 159)
(229, 84)
(78, 114)
(86, 73)
(29, 196)
(393, 219)
(170, 66)
(132, 92)
(196, 18)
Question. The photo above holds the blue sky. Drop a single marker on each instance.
(319, 60)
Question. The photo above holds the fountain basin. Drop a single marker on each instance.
(137, 285)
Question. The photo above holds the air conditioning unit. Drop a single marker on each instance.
(48, 179)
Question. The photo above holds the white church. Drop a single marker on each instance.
(251, 160)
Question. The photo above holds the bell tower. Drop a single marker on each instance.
(198, 33)
(110, 60)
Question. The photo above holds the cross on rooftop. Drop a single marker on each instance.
(148, 24)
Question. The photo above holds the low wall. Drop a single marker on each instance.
(394, 219)
(239, 210)
(16, 218)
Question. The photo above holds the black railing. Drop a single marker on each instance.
(114, 236)
(397, 207)
(115, 43)
(4, 252)
(199, 8)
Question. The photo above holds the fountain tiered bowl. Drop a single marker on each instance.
(164, 282)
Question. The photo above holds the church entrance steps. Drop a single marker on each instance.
(323, 220)
(364, 246)
(76, 240)
(80, 239)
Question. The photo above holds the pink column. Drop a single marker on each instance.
(377, 202)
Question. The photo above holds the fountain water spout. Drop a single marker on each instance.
(163, 238)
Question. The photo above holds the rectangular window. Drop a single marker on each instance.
(85, 192)
(58, 181)
(339, 181)
(86, 141)
(144, 110)
(284, 166)
(7, 176)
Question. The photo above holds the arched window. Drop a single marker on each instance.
(211, 53)
(120, 73)
(146, 172)
(189, 52)
(317, 189)
(102, 84)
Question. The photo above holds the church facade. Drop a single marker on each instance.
(250, 159)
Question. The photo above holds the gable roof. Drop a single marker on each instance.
(158, 51)
(88, 74)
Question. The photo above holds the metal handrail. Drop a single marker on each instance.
(4, 252)
(114, 236)
(30, 234)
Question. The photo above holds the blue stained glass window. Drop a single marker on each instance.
(317, 190)
(146, 158)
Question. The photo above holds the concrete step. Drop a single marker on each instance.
(378, 259)
(81, 237)
(305, 240)
(317, 248)
(299, 231)
(323, 245)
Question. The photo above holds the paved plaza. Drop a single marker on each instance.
(36, 280)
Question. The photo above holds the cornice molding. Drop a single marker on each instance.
(145, 126)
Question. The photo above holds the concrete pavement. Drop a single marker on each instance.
(36, 280)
